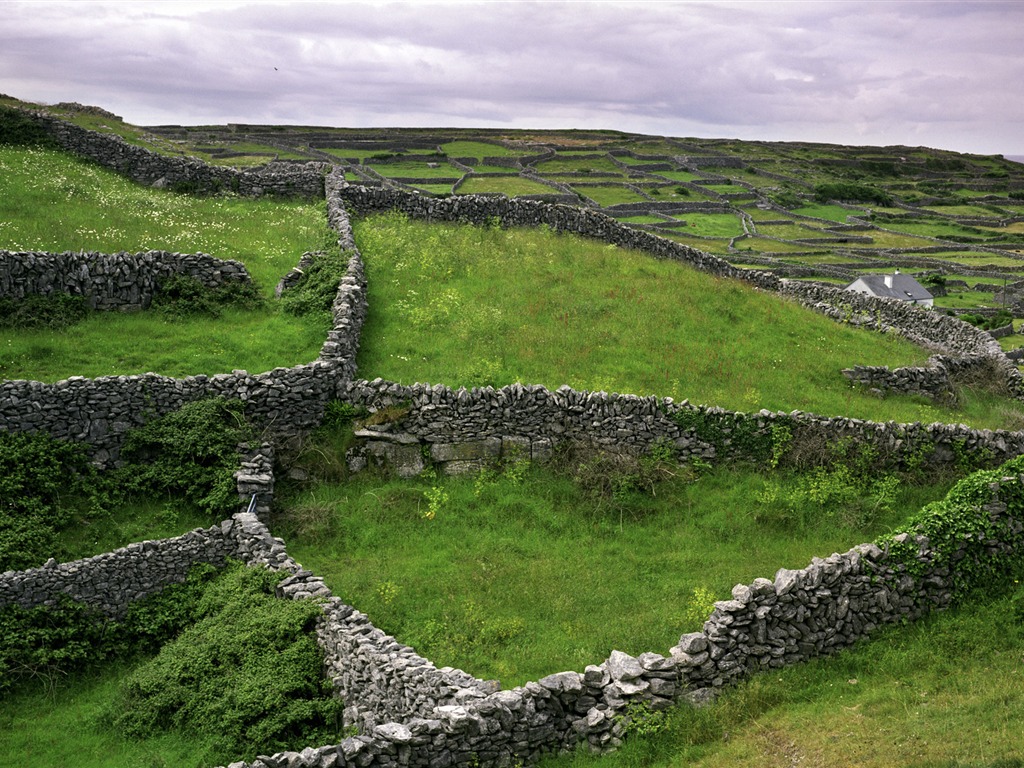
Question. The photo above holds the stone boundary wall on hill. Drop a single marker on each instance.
(114, 281)
(485, 423)
(183, 173)
(98, 412)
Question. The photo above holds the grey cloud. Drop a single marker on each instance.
(835, 71)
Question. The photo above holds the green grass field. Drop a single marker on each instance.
(512, 186)
(50, 202)
(472, 306)
(491, 573)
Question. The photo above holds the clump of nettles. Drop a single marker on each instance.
(45, 486)
(246, 678)
(47, 644)
(315, 291)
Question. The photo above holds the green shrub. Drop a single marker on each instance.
(18, 129)
(54, 311)
(45, 485)
(182, 296)
(48, 643)
(962, 531)
(315, 291)
(247, 675)
(850, 192)
(191, 454)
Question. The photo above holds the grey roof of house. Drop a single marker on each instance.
(903, 287)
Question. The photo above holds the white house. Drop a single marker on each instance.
(895, 286)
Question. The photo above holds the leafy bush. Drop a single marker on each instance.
(55, 311)
(19, 130)
(988, 322)
(962, 531)
(315, 291)
(191, 453)
(247, 675)
(185, 296)
(45, 485)
(47, 643)
(850, 192)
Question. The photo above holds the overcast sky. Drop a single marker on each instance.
(940, 74)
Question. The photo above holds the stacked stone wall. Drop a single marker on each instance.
(112, 581)
(184, 173)
(488, 423)
(117, 281)
(98, 412)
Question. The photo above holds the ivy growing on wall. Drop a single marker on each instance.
(977, 531)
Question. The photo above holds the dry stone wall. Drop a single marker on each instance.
(109, 281)
(464, 429)
(184, 173)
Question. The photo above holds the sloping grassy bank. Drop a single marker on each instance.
(474, 306)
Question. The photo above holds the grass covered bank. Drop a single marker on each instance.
(474, 306)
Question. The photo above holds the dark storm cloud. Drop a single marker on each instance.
(944, 74)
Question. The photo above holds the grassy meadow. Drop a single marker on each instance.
(477, 306)
(521, 573)
(52, 202)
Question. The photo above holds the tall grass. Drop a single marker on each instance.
(62, 728)
(475, 306)
(52, 202)
(519, 575)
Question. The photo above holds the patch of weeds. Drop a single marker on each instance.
(48, 644)
(189, 454)
(615, 479)
(46, 485)
(315, 291)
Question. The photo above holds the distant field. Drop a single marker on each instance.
(609, 194)
(513, 186)
(477, 149)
